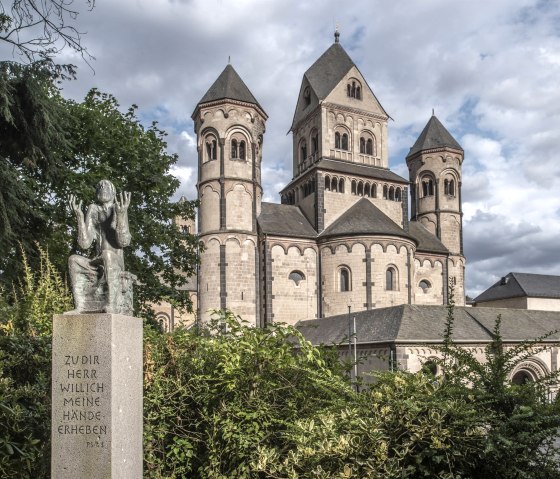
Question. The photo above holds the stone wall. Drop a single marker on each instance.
(291, 301)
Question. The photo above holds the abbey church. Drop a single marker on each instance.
(345, 237)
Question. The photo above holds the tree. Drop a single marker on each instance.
(106, 143)
(38, 30)
(75, 146)
(522, 425)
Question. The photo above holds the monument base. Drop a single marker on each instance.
(97, 397)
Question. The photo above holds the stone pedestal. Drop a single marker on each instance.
(97, 397)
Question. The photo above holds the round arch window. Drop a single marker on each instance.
(522, 377)
(425, 285)
(297, 277)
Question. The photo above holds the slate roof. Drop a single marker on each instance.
(229, 85)
(416, 323)
(328, 70)
(364, 218)
(434, 135)
(515, 285)
(427, 242)
(284, 220)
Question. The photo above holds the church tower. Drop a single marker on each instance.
(434, 164)
(229, 124)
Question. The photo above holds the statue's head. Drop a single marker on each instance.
(105, 191)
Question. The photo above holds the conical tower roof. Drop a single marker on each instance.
(434, 135)
(230, 86)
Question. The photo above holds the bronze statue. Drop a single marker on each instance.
(101, 284)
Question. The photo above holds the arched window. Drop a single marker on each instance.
(337, 142)
(211, 148)
(391, 279)
(303, 150)
(374, 191)
(327, 183)
(522, 377)
(297, 277)
(367, 190)
(353, 187)
(242, 154)
(398, 195)
(392, 193)
(307, 96)
(314, 143)
(341, 185)
(385, 192)
(362, 145)
(449, 187)
(427, 187)
(334, 184)
(424, 285)
(369, 147)
(344, 279)
(360, 188)
(234, 151)
(430, 367)
(344, 142)
(354, 90)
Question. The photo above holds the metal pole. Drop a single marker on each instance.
(355, 352)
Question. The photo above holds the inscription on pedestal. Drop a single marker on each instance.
(82, 400)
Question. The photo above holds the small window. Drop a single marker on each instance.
(391, 279)
(211, 147)
(360, 188)
(353, 187)
(341, 185)
(385, 192)
(344, 142)
(369, 147)
(425, 285)
(362, 145)
(344, 279)
(307, 97)
(392, 193)
(327, 183)
(297, 277)
(314, 143)
(398, 195)
(354, 90)
(241, 150)
(337, 140)
(367, 190)
(303, 150)
(427, 187)
(185, 229)
(449, 187)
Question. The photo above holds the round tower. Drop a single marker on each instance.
(229, 124)
(434, 165)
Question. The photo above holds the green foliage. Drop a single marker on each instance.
(25, 370)
(521, 423)
(240, 402)
(212, 398)
(52, 147)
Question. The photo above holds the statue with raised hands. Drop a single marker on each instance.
(101, 284)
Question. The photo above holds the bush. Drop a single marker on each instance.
(25, 371)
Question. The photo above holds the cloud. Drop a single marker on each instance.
(490, 70)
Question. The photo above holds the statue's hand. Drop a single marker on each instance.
(76, 207)
(122, 202)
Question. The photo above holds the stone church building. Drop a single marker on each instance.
(345, 237)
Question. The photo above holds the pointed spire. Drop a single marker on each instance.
(434, 135)
(229, 85)
(336, 34)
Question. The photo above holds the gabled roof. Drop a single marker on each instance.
(515, 285)
(434, 135)
(417, 323)
(364, 218)
(284, 220)
(325, 74)
(229, 85)
(328, 70)
(427, 242)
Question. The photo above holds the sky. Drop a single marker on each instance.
(490, 69)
